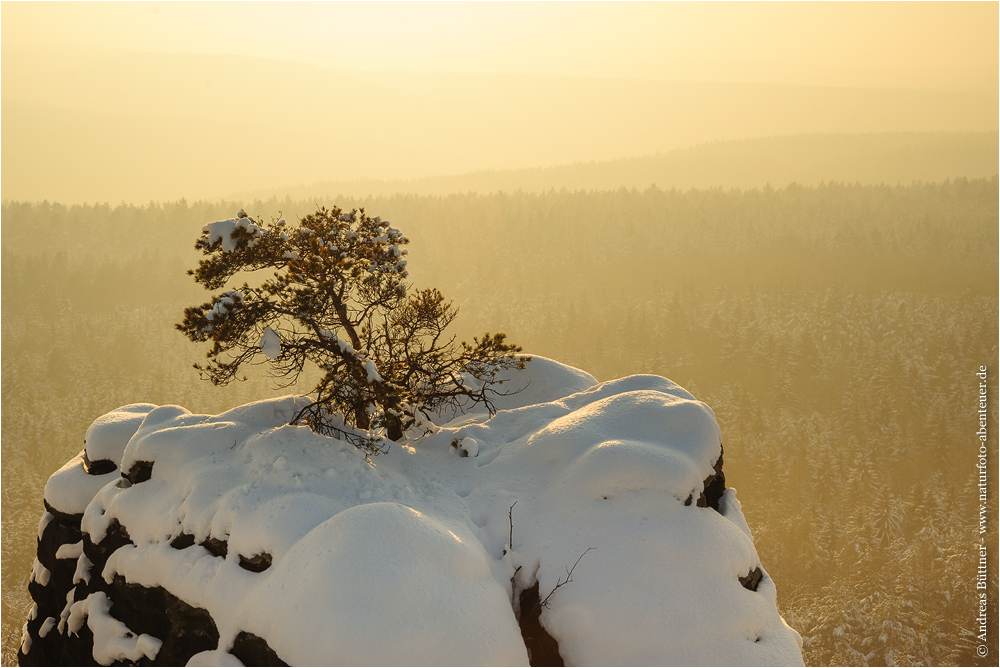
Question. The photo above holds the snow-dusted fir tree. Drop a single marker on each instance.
(338, 298)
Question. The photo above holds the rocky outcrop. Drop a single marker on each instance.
(68, 571)
(52, 589)
(149, 625)
(237, 538)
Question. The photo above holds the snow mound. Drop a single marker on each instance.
(541, 381)
(71, 488)
(420, 556)
(107, 436)
(433, 588)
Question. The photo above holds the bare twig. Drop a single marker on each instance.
(569, 578)
(510, 518)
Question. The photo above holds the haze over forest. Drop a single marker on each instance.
(790, 209)
(147, 102)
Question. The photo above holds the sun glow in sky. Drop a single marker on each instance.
(839, 44)
(112, 101)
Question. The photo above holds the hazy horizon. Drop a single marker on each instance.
(109, 102)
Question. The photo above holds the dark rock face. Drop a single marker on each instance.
(752, 579)
(48, 647)
(181, 541)
(140, 471)
(116, 537)
(216, 547)
(254, 651)
(543, 650)
(100, 467)
(185, 630)
(713, 487)
(70, 571)
(257, 563)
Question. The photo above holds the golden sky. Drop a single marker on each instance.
(138, 100)
(895, 44)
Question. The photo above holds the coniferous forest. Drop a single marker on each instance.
(835, 330)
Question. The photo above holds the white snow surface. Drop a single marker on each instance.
(113, 641)
(405, 559)
(43, 523)
(270, 343)
(107, 436)
(214, 657)
(39, 573)
(71, 488)
(46, 627)
(223, 230)
(70, 550)
(371, 371)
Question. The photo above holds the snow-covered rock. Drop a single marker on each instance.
(107, 437)
(584, 522)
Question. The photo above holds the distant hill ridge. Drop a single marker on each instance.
(806, 159)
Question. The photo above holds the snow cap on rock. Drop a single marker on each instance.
(420, 556)
(109, 434)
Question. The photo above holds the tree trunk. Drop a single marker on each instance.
(394, 430)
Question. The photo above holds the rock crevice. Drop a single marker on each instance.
(543, 649)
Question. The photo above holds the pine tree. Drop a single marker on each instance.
(338, 298)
